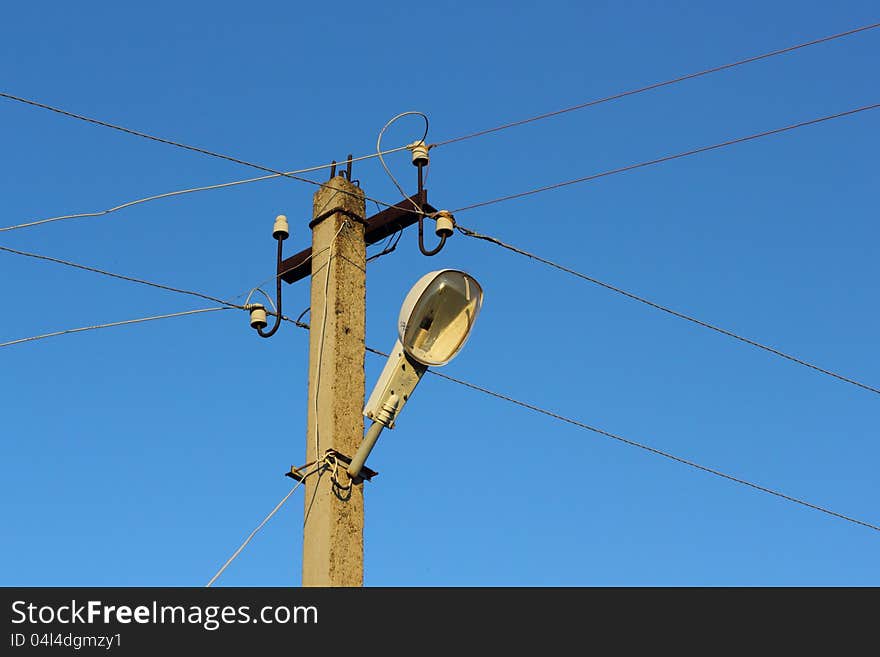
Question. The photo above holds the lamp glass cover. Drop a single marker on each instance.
(442, 318)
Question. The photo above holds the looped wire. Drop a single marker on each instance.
(330, 461)
(382, 159)
(263, 292)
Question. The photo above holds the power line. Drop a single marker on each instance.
(227, 304)
(642, 446)
(178, 290)
(656, 85)
(492, 393)
(657, 306)
(293, 174)
(260, 526)
(111, 324)
(666, 158)
(195, 149)
(510, 197)
(136, 133)
(170, 142)
(497, 395)
(530, 255)
(130, 279)
(180, 192)
(653, 450)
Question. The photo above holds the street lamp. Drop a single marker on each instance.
(435, 321)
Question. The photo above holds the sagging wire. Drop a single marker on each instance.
(111, 324)
(652, 450)
(195, 149)
(658, 85)
(390, 245)
(328, 461)
(241, 547)
(333, 464)
(345, 223)
(420, 160)
(247, 302)
(298, 321)
(122, 277)
(616, 96)
(666, 309)
(391, 122)
(258, 311)
(668, 158)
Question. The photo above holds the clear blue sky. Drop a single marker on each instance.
(143, 455)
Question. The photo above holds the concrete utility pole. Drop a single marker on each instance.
(333, 535)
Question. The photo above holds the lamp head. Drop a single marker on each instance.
(435, 321)
(438, 314)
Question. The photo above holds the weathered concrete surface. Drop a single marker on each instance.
(333, 540)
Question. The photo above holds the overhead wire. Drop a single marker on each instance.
(265, 296)
(531, 407)
(526, 405)
(260, 526)
(131, 279)
(179, 192)
(294, 174)
(644, 447)
(497, 395)
(202, 151)
(168, 288)
(666, 158)
(656, 85)
(535, 191)
(279, 274)
(169, 142)
(657, 452)
(389, 247)
(492, 201)
(322, 335)
(111, 324)
(228, 305)
(522, 252)
(387, 125)
(608, 286)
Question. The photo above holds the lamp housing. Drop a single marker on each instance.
(438, 314)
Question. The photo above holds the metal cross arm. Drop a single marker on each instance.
(378, 227)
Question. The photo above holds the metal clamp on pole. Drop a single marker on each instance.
(346, 213)
(300, 473)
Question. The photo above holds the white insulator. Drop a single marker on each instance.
(419, 153)
(445, 223)
(258, 316)
(281, 231)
